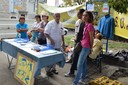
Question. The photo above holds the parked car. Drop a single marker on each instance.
(65, 31)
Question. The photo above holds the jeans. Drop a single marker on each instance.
(34, 37)
(74, 62)
(81, 66)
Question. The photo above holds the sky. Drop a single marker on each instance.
(54, 2)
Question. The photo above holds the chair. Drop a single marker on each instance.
(94, 65)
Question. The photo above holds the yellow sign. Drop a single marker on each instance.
(24, 70)
(121, 25)
(18, 7)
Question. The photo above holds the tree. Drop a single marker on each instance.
(121, 6)
(69, 2)
(79, 1)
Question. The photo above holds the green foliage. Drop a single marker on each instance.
(120, 6)
(117, 45)
(70, 2)
(79, 1)
(68, 40)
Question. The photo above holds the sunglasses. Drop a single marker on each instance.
(44, 16)
(57, 16)
(85, 15)
(22, 18)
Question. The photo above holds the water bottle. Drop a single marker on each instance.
(18, 35)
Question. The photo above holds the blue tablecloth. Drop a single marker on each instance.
(0, 46)
(11, 47)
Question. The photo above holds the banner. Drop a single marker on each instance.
(90, 7)
(68, 14)
(24, 71)
(105, 8)
(121, 24)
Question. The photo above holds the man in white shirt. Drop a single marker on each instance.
(55, 34)
(78, 22)
(79, 27)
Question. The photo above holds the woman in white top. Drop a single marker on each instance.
(35, 27)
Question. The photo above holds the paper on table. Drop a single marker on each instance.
(29, 45)
(48, 52)
(22, 44)
(41, 47)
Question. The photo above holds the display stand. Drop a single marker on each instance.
(10, 67)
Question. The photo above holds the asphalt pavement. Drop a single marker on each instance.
(7, 75)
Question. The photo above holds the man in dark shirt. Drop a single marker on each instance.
(79, 36)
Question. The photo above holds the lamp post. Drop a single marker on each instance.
(12, 6)
(36, 6)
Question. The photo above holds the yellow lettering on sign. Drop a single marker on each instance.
(121, 25)
(24, 69)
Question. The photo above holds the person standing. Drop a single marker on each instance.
(22, 28)
(79, 26)
(87, 44)
(35, 26)
(55, 35)
(79, 21)
(41, 38)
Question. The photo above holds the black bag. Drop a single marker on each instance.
(41, 41)
(77, 47)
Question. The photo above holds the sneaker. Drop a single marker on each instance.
(69, 74)
(74, 84)
(69, 60)
(49, 73)
(55, 71)
(39, 77)
(83, 82)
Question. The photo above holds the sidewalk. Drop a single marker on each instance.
(7, 76)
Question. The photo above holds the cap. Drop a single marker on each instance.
(44, 13)
(22, 17)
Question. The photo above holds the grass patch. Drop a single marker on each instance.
(112, 44)
(68, 40)
(117, 45)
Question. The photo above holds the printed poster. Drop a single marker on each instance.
(24, 71)
(105, 8)
(90, 7)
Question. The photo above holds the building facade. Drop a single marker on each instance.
(12, 9)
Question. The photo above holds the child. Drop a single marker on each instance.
(97, 45)
(96, 32)
(69, 51)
